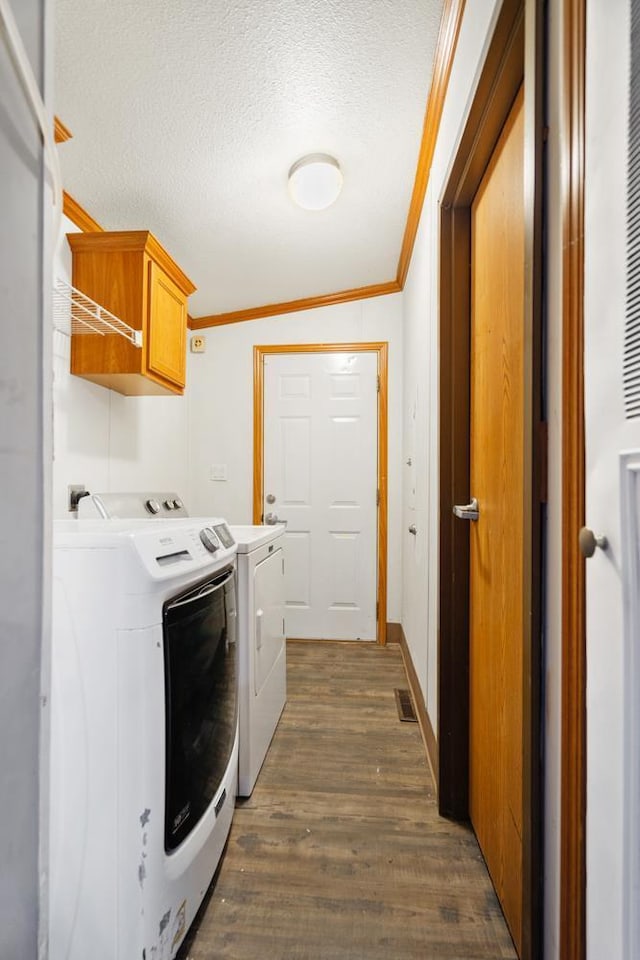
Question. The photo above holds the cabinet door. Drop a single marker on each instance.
(167, 332)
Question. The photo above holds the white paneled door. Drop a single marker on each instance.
(320, 475)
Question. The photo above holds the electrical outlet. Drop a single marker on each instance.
(198, 343)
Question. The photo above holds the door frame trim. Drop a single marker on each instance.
(573, 789)
(515, 54)
(381, 348)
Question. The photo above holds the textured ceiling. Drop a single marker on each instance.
(187, 114)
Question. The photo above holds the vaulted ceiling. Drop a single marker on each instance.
(187, 115)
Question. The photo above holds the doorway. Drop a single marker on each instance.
(492, 447)
(320, 426)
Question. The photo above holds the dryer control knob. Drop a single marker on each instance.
(209, 540)
(152, 506)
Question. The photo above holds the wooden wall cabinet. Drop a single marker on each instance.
(131, 275)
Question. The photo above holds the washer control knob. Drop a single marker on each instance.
(209, 539)
(177, 504)
(152, 505)
(169, 504)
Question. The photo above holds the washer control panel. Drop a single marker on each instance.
(168, 551)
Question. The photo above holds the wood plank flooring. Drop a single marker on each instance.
(340, 853)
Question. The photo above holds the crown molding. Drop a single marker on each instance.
(60, 132)
(293, 306)
(72, 209)
(443, 62)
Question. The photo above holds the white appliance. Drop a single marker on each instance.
(262, 644)
(144, 732)
(261, 626)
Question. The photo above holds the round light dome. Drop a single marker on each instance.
(315, 181)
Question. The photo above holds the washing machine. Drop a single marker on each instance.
(262, 658)
(144, 731)
(261, 644)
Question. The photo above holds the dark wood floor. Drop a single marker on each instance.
(340, 853)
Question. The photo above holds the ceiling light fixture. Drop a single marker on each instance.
(315, 181)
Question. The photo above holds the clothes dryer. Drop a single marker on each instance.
(262, 651)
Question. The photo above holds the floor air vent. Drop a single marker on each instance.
(404, 704)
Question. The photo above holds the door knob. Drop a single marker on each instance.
(413, 529)
(270, 498)
(588, 541)
(467, 511)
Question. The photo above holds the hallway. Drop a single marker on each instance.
(340, 853)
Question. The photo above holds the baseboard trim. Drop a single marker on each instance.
(362, 643)
(394, 632)
(426, 729)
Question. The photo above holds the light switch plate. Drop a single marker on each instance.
(198, 343)
(218, 471)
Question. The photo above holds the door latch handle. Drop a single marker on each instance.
(272, 518)
(468, 511)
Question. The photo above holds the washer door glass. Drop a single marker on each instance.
(200, 654)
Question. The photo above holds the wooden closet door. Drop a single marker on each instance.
(496, 539)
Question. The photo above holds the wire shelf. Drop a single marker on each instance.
(75, 312)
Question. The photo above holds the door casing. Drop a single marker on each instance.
(381, 349)
(573, 789)
(516, 53)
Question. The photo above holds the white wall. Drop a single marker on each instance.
(108, 441)
(420, 481)
(221, 406)
(111, 442)
(420, 553)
